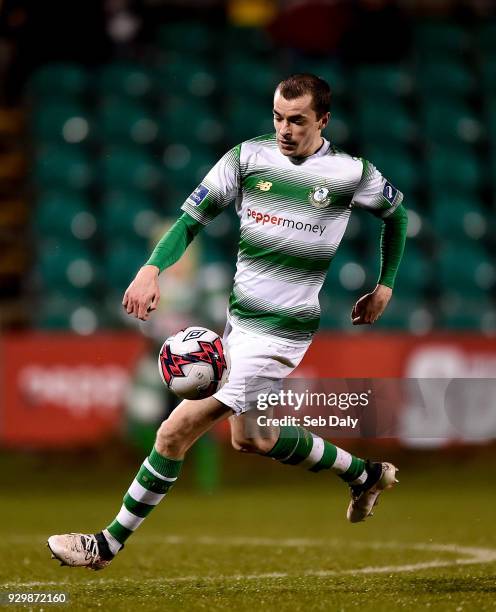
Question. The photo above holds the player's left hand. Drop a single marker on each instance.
(370, 307)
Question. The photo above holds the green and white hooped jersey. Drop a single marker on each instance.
(293, 214)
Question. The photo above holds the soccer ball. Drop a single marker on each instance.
(194, 363)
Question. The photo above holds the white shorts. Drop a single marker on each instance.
(258, 365)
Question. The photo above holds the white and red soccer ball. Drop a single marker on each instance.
(194, 363)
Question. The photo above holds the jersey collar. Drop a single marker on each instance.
(322, 150)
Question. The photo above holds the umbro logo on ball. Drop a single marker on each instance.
(194, 334)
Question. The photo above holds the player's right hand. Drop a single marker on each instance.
(142, 296)
(371, 306)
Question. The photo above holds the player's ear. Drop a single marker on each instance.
(324, 120)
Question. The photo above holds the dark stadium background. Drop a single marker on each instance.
(111, 112)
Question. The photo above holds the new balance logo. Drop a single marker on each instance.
(264, 185)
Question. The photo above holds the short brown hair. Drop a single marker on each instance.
(298, 85)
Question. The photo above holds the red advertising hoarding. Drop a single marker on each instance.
(448, 389)
(374, 355)
(64, 390)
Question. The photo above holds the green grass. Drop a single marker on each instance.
(273, 545)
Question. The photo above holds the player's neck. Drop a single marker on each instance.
(317, 145)
(314, 148)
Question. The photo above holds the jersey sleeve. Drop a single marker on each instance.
(220, 187)
(375, 193)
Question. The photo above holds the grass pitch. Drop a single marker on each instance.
(279, 544)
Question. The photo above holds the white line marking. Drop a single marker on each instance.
(466, 555)
(34, 583)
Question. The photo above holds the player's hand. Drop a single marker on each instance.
(143, 294)
(370, 307)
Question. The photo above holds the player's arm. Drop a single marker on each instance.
(377, 195)
(143, 294)
(393, 236)
(215, 192)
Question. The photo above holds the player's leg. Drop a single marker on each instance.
(259, 366)
(157, 475)
(248, 437)
(294, 445)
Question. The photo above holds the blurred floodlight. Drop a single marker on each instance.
(216, 307)
(352, 276)
(137, 84)
(177, 156)
(215, 277)
(83, 321)
(485, 275)
(144, 222)
(144, 131)
(202, 84)
(144, 404)
(474, 224)
(421, 321)
(75, 129)
(80, 273)
(469, 129)
(414, 224)
(209, 131)
(488, 322)
(83, 225)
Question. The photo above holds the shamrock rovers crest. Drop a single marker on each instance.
(320, 197)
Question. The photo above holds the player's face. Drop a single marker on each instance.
(297, 127)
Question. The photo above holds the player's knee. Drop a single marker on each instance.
(244, 445)
(252, 445)
(169, 441)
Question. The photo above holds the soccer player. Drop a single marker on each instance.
(293, 192)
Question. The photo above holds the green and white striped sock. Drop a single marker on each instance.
(154, 479)
(298, 446)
